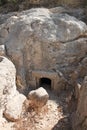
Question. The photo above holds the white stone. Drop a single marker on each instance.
(38, 97)
(14, 106)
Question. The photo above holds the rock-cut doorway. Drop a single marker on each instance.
(45, 83)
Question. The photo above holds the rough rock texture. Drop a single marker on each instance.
(14, 107)
(47, 41)
(7, 80)
(38, 97)
(2, 50)
(79, 119)
(8, 93)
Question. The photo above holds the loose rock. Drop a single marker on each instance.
(13, 108)
(38, 97)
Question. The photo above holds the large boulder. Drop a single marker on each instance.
(7, 80)
(38, 97)
(45, 40)
(79, 118)
(9, 96)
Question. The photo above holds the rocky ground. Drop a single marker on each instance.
(55, 115)
(48, 44)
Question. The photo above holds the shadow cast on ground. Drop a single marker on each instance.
(63, 124)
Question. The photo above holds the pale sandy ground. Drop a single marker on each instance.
(51, 117)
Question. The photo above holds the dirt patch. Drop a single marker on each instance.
(55, 115)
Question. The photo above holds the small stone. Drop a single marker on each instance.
(38, 97)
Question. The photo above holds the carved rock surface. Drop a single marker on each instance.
(45, 40)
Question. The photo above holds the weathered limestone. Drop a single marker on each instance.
(44, 44)
(45, 41)
(14, 107)
(9, 96)
(7, 81)
(38, 97)
(79, 118)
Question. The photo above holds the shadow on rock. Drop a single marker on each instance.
(63, 124)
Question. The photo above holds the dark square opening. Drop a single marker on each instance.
(45, 82)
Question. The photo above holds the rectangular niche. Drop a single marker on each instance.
(48, 80)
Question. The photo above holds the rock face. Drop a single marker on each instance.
(80, 116)
(38, 97)
(9, 96)
(7, 80)
(45, 43)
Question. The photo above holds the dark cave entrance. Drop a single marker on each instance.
(45, 83)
